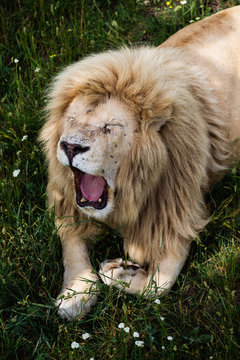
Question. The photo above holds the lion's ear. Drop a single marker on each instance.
(160, 116)
(158, 123)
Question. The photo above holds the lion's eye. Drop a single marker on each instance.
(70, 119)
(89, 110)
(106, 129)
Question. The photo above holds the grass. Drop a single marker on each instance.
(202, 313)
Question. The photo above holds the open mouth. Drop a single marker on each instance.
(91, 191)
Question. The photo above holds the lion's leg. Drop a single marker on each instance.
(167, 271)
(76, 299)
(134, 279)
(124, 275)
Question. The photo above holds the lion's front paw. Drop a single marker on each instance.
(73, 305)
(124, 275)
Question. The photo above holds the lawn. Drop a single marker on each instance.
(200, 317)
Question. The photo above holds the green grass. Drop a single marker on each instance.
(202, 313)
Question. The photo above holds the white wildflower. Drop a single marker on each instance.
(163, 347)
(127, 329)
(24, 137)
(85, 336)
(121, 326)
(16, 172)
(91, 359)
(74, 345)
(37, 69)
(162, 318)
(139, 343)
(114, 24)
(170, 338)
(135, 334)
(183, 2)
(16, 61)
(157, 301)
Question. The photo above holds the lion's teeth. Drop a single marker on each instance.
(84, 200)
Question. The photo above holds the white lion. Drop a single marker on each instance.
(134, 138)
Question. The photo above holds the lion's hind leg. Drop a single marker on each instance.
(124, 275)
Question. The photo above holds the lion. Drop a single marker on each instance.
(134, 138)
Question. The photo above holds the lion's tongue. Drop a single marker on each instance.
(92, 186)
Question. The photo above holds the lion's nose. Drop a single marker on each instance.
(72, 150)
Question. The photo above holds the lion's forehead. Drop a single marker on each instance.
(89, 112)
